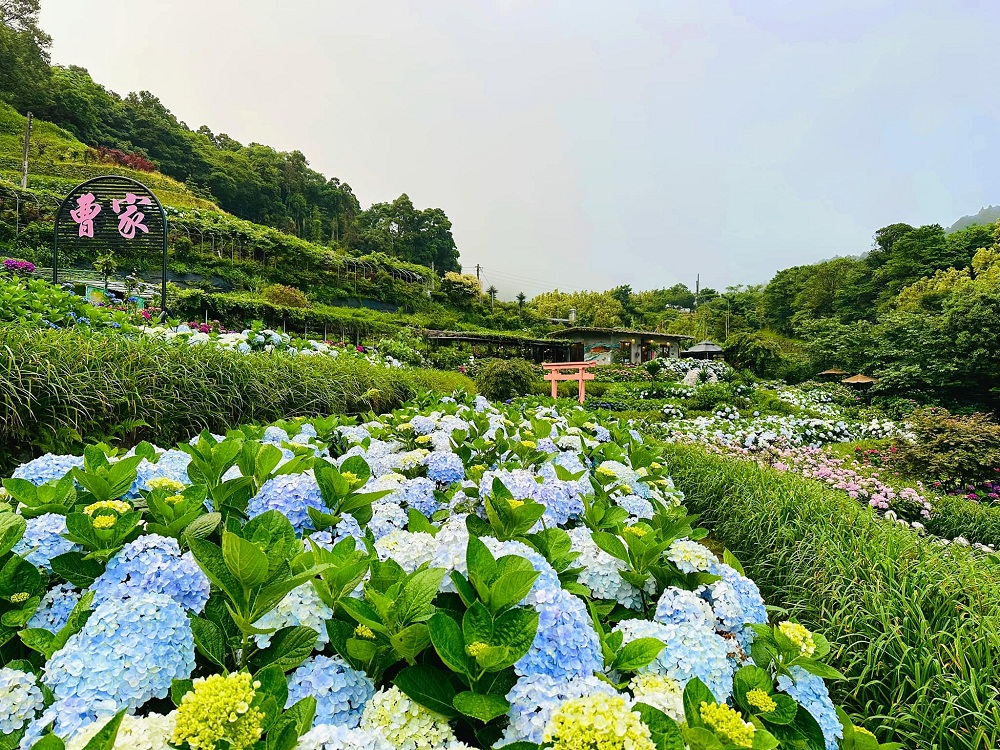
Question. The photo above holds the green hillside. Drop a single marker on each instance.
(57, 162)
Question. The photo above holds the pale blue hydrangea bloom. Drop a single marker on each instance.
(812, 694)
(43, 540)
(46, 468)
(626, 477)
(677, 606)
(480, 404)
(418, 493)
(444, 467)
(67, 716)
(301, 606)
(334, 737)
(172, 464)
(54, 609)
(128, 653)
(546, 445)
(566, 644)
(20, 699)
(340, 691)
(600, 571)
(275, 436)
(154, 563)
(535, 698)
(637, 507)
(387, 517)
(690, 651)
(736, 602)
(423, 425)
(561, 500)
(291, 495)
(354, 433)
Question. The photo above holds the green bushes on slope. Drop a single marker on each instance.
(58, 388)
(916, 625)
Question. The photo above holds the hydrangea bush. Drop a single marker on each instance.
(450, 576)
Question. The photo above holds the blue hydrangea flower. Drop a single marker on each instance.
(691, 651)
(154, 563)
(128, 653)
(423, 425)
(736, 602)
(171, 464)
(46, 468)
(566, 644)
(387, 517)
(291, 495)
(444, 467)
(43, 540)
(561, 500)
(418, 493)
(812, 694)
(301, 606)
(275, 435)
(20, 699)
(54, 609)
(637, 507)
(677, 606)
(307, 430)
(354, 433)
(534, 699)
(67, 716)
(340, 691)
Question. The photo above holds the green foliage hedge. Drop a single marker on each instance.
(949, 448)
(916, 625)
(58, 388)
(502, 379)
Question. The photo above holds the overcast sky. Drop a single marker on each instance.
(580, 144)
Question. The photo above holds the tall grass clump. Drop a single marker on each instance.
(956, 516)
(916, 624)
(60, 388)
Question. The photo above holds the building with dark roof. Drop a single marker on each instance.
(608, 345)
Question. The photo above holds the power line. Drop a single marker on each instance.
(531, 281)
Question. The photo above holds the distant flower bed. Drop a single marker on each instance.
(441, 577)
(263, 340)
(728, 426)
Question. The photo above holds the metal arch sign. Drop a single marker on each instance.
(112, 214)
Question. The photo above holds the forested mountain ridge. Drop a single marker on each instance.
(987, 215)
(251, 181)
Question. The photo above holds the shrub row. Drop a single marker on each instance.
(916, 624)
(59, 388)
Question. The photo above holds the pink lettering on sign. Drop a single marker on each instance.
(129, 217)
(84, 213)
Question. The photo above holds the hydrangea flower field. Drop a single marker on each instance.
(452, 575)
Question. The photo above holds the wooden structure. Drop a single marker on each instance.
(606, 346)
(834, 373)
(554, 374)
(506, 346)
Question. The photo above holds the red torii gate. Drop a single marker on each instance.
(579, 374)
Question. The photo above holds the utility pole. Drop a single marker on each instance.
(27, 144)
(697, 289)
(478, 269)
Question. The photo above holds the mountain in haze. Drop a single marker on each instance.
(986, 215)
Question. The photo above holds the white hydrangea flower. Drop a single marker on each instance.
(405, 724)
